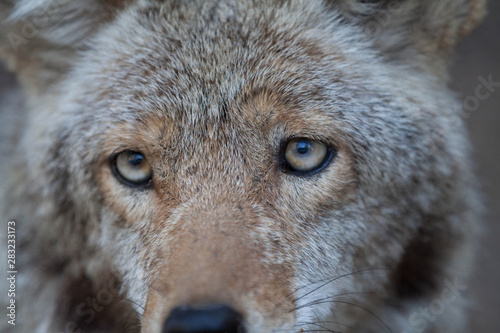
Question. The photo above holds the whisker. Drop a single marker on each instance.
(137, 326)
(326, 322)
(326, 299)
(132, 302)
(365, 309)
(330, 280)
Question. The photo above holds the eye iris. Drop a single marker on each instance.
(132, 167)
(304, 155)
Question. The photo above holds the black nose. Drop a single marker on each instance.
(207, 319)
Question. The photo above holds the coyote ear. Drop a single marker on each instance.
(41, 35)
(430, 27)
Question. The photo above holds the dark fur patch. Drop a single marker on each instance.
(94, 308)
(420, 271)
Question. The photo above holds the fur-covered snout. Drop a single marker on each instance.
(220, 256)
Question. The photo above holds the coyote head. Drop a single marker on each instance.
(258, 166)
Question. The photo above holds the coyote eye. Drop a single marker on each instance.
(305, 156)
(132, 168)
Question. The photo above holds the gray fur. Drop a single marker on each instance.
(397, 208)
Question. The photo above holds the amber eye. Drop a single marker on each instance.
(132, 168)
(305, 156)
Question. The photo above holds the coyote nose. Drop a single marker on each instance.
(208, 319)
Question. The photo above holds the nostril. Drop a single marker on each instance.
(208, 319)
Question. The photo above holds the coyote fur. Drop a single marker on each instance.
(235, 166)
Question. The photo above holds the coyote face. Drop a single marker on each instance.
(237, 166)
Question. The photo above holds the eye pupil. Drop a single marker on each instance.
(135, 159)
(303, 147)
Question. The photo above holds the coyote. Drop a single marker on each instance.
(235, 166)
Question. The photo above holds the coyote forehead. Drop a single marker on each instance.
(271, 166)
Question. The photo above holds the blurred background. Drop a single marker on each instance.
(478, 58)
